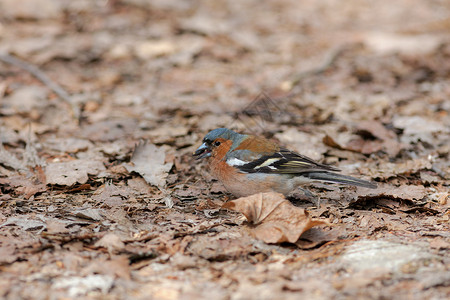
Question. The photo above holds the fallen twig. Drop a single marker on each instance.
(329, 61)
(41, 76)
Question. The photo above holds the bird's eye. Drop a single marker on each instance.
(217, 143)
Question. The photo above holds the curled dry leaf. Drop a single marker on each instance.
(276, 220)
(150, 162)
(373, 138)
(21, 186)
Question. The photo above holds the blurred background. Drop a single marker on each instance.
(144, 59)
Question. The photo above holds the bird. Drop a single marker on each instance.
(248, 164)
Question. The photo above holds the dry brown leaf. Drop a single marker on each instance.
(417, 128)
(110, 130)
(69, 145)
(22, 186)
(405, 192)
(117, 265)
(230, 244)
(111, 194)
(56, 226)
(139, 185)
(412, 166)
(276, 219)
(150, 162)
(316, 237)
(386, 140)
(93, 214)
(25, 99)
(111, 242)
(26, 9)
(25, 222)
(71, 172)
(8, 254)
(10, 160)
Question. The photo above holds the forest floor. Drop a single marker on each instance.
(103, 102)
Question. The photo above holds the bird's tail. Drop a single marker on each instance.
(339, 178)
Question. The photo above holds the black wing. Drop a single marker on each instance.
(284, 162)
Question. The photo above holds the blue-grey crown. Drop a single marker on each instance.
(224, 133)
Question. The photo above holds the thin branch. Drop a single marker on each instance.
(329, 61)
(41, 76)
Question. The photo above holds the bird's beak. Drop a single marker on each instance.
(202, 151)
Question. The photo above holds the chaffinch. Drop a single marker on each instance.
(247, 165)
